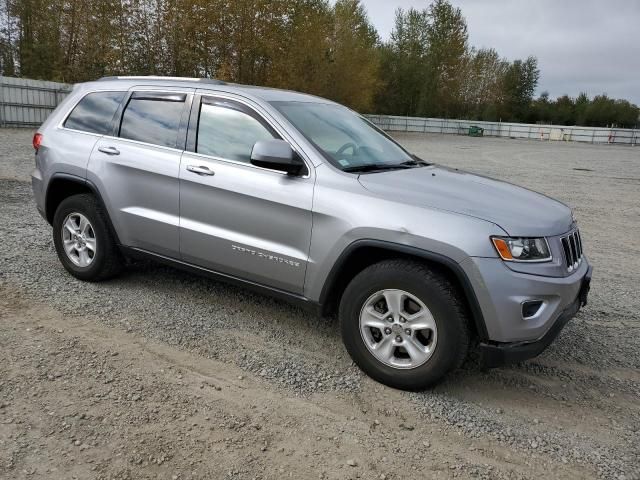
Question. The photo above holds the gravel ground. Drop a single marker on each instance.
(160, 374)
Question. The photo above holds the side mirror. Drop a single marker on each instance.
(276, 155)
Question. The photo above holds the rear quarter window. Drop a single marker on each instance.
(94, 112)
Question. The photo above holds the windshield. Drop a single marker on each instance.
(346, 139)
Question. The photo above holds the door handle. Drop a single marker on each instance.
(109, 150)
(200, 170)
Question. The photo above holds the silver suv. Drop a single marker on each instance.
(305, 199)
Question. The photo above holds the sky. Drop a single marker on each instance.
(590, 46)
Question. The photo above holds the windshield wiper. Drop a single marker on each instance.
(414, 163)
(387, 166)
(373, 167)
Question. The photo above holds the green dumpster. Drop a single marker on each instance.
(475, 131)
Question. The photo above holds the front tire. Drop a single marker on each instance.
(404, 324)
(83, 241)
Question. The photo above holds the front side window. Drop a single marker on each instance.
(346, 139)
(94, 112)
(228, 133)
(153, 119)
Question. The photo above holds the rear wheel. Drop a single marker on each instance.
(403, 324)
(83, 241)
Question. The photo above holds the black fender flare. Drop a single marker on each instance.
(88, 184)
(446, 262)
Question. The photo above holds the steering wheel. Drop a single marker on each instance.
(345, 147)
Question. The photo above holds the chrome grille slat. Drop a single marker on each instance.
(579, 242)
(567, 253)
(572, 247)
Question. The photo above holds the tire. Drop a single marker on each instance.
(101, 263)
(446, 335)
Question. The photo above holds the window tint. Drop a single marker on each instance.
(228, 133)
(152, 121)
(95, 112)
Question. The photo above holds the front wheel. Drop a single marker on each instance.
(404, 324)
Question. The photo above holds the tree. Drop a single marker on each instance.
(482, 84)
(7, 34)
(301, 61)
(519, 86)
(38, 37)
(403, 63)
(602, 111)
(447, 49)
(424, 62)
(354, 60)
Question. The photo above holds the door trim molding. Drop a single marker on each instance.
(293, 298)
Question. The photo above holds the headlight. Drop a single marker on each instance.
(513, 249)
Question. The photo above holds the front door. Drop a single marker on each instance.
(236, 218)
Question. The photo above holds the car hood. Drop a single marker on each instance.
(518, 211)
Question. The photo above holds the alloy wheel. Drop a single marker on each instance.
(79, 239)
(398, 328)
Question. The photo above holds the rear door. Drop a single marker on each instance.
(236, 218)
(89, 120)
(137, 168)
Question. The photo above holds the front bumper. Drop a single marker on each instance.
(497, 354)
(501, 293)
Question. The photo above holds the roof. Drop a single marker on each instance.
(264, 93)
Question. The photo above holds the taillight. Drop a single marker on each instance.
(37, 140)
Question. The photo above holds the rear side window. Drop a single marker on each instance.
(153, 118)
(228, 133)
(94, 112)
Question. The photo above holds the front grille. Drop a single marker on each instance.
(572, 247)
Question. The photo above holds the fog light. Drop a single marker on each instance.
(530, 308)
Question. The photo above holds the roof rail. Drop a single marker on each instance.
(159, 77)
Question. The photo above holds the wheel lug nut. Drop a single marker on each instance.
(387, 330)
(398, 339)
(408, 331)
(402, 319)
(389, 319)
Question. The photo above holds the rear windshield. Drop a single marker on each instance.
(94, 112)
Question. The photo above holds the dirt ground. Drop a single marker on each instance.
(160, 374)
